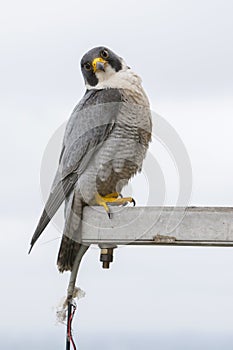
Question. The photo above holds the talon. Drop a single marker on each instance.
(124, 201)
(134, 202)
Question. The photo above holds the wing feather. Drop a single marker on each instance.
(89, 125)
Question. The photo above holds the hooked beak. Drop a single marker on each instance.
(98, 64)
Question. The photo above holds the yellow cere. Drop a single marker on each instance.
(98, 59)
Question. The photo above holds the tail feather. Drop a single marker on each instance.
(71, 240)
(67, 254)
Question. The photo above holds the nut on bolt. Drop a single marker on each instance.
(106, 257)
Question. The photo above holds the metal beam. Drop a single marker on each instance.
(192, 226)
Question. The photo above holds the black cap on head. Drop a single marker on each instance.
(95, 60)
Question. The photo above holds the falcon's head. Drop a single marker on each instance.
(99, 65)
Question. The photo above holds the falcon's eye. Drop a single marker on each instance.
(104, 54)
(87, 66)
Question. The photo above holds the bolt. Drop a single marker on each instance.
(106, 257)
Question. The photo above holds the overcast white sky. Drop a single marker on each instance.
(166, 297)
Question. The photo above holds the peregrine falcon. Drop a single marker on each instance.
(105, 142)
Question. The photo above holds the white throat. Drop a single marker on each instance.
(123, 79)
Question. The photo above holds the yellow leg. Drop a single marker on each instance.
(112, 198)
(113, 195)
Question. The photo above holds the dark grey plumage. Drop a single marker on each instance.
(105, 142)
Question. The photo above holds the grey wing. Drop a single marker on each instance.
(90, 124)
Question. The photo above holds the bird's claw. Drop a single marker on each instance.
(112, 198)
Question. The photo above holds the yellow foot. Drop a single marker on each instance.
(112, 198)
